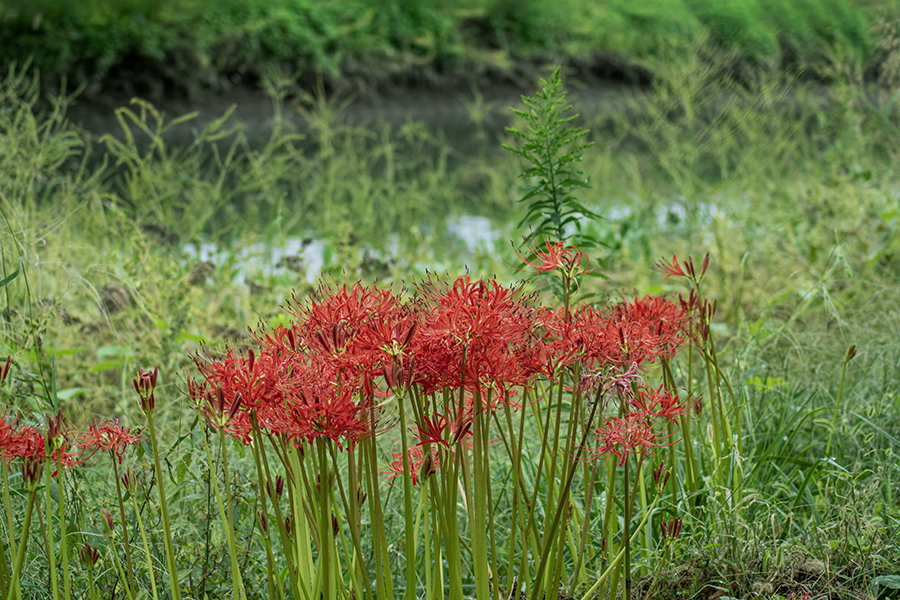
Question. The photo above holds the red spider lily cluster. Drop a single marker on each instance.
(62, 444)
(348, 347)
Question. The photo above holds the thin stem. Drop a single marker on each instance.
(137, 515)
(128, 562)
(163, 506)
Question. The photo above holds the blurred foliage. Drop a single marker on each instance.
(190, 41)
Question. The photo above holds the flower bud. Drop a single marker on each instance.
(89, 555)
(108, 520)
(54, 430)
(4, 371)
(427, 469)
(288, 524)
(32, 469)
(263, 521)
(145, 384)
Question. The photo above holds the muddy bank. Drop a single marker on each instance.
(459, 104)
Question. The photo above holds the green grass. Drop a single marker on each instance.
(793, 188)
(161, 47)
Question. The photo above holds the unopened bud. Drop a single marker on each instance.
(427, 469)
(4, 371)
(334, 524)
(145, 384)
(108, 520)
(89, 555)
(851, 352)
(288, 524)
(54, 429)
(361, 496)
(705, 264)
(263, 521)
(279, 486)
(32, 469)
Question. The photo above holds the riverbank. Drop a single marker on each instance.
(368, 49)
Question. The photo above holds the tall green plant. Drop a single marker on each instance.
(553, 148)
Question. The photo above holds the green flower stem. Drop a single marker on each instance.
(645, 550)
(659, 568)
(8, 503)
(14, 588)
(48, 536)
(383, 579)
(407, 508)
(125, 536)
(4, 567)
(360, 578)
(626, 535)
(426, 548)
(237, 586)
(163, 506)
(326, 533)
(579, 574)
(118, 563)
(149, 557)
(551, 532)
(444, 496)
(302, 548)
(477, 502)
(92, 591)
(63, 532)
(613, 566)
(261, 494)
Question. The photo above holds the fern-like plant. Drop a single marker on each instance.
(553, 148)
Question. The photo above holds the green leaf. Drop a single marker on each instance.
(70, 393)
(9, 278)
(108, 351)
(889, 581)
(191, 337)
(107, 365)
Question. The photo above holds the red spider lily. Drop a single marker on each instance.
(31, 445)
(604, 380)
(332, 321)
(623, 435)
(641, 331)
(670, 269)
(672, 528)
(332, 414)
(470, 333)
(438, 426)
(108, 436)
(421, 465)
(6, 432)
(219, 410)
(674, 269)
(659, 403)
(256, 377)
(567, 259)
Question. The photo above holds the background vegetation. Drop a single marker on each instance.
(166, 46)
